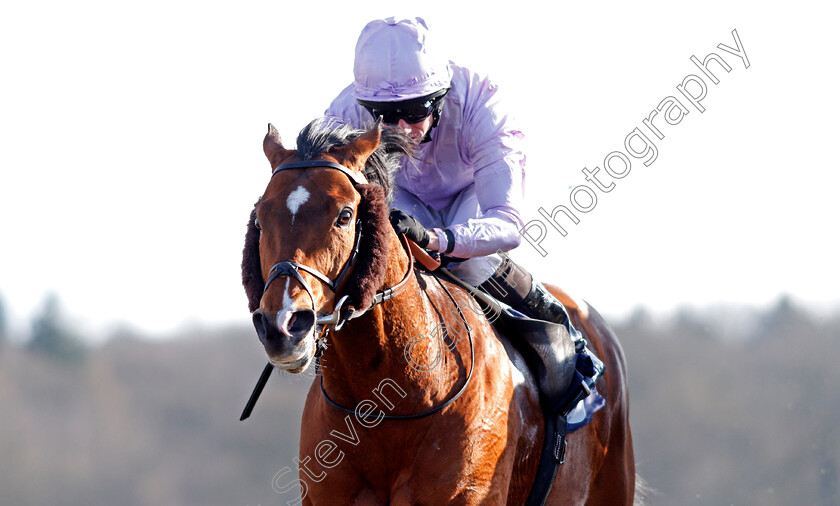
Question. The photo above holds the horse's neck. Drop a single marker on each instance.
(392, 342)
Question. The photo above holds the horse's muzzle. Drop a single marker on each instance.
(282, 333)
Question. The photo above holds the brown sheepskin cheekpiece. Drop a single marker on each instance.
(252, 278)
(369, 272)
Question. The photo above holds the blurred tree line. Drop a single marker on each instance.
(736, 407)
(51, 334)
(727, 407)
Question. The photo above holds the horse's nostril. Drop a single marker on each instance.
(259, 323)
(301, 322)
(294, 324)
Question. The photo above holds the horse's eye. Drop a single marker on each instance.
(257, 223)
(344, 217)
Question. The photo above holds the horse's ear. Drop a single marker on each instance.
(273, 147)
(356, 153)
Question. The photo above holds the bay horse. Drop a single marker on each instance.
(403, 412)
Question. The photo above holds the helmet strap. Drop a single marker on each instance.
(436, 116)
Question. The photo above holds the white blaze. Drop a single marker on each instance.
(296, 199)
(287, 299)
(283, 314)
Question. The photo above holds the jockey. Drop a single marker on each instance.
(462, 195)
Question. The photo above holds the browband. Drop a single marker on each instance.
(356, 177)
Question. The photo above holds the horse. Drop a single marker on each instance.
(419, 400)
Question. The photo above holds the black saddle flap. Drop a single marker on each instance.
(540, 342)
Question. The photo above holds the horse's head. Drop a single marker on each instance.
(318, 233)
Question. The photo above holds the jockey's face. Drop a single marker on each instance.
(416, 131)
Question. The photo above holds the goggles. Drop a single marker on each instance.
(411, 111)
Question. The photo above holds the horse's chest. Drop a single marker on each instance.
(391, 464)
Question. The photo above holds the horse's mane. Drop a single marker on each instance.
(318, 138)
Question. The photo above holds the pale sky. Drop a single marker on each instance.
(130, 146)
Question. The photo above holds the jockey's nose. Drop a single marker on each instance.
(404, 126)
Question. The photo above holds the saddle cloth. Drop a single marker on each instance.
(582, 413)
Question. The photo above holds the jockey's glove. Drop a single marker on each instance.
(408, 225)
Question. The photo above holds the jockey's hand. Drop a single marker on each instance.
(408, 225)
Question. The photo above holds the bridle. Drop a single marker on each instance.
(340, 314)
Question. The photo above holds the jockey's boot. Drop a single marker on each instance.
(515, 286)
(565, 372)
